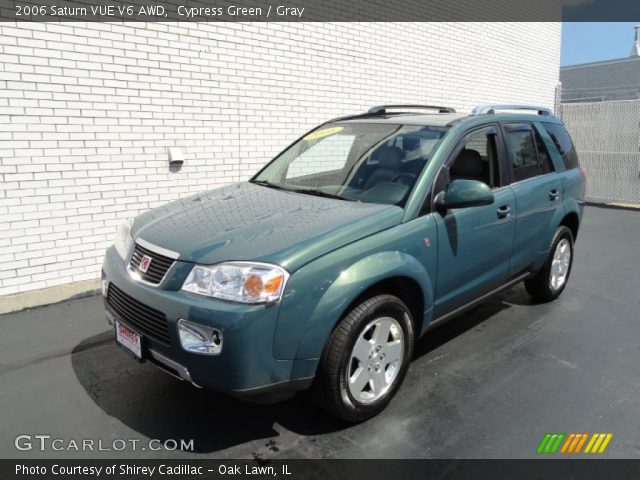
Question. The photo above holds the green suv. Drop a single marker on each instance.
(324, 269)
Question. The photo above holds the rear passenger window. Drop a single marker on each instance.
(522, 151)
(563, 143)
(543, 155)
(527, 152)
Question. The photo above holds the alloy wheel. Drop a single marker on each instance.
(560, 264)
(375, 360)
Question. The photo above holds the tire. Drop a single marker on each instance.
(544, 287)
(357, 351)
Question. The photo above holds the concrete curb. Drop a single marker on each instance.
(616, 205)
(47, 296)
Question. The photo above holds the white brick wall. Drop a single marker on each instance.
(88, 111)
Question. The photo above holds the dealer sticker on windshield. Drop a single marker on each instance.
(129, 339)
(325, 132)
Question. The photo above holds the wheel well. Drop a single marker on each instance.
(572, 222)
(406, 289)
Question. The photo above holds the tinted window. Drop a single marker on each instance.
(522, 149)
(563, 143)
(544, 158)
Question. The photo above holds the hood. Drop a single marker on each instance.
(244, 221)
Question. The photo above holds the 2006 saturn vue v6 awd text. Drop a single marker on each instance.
(323, 270)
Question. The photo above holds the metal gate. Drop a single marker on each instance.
(607, 139)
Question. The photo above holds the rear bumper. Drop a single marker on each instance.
(245, 367)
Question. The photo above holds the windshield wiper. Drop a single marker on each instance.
(308, 191)
(266, 183)
(321, 193)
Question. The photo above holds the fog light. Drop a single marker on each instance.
(198, 338)
(104, 284)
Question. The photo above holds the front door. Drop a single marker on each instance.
(475, 243)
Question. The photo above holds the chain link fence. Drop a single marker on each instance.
(607, 139)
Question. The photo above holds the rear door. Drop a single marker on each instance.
(538, 194)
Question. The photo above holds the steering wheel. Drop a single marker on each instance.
(410, 177)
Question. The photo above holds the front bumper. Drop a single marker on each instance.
(245, 367)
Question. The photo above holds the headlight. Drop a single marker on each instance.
(238, 282)
(123, 240)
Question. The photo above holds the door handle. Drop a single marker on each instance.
(554, 194)
(504, 211)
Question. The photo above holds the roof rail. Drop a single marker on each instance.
(382, 109)
(490, 109)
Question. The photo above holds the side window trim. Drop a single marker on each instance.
(503, 158)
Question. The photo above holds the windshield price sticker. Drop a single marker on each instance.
(325, 132)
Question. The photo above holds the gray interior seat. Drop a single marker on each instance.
(469, 166)
(389, 166)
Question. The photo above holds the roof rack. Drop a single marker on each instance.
(382, 109)
(491, 109)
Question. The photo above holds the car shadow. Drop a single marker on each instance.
(158, 406)
(441, 334)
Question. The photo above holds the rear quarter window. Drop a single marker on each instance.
(563, 143)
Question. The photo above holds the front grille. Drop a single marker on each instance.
(157, 267)
(148, 321)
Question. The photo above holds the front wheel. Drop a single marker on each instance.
(549, 282)
(365, 359)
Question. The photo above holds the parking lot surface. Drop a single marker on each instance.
(489, 384)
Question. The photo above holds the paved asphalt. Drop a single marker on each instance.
(489, 384)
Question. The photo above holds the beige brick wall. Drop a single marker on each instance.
(88, 111)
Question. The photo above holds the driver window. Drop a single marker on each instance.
(478, 160)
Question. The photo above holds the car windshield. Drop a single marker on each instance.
(367, 162)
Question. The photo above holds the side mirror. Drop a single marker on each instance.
(463, 194)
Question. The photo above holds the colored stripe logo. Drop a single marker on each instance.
(574, 443)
